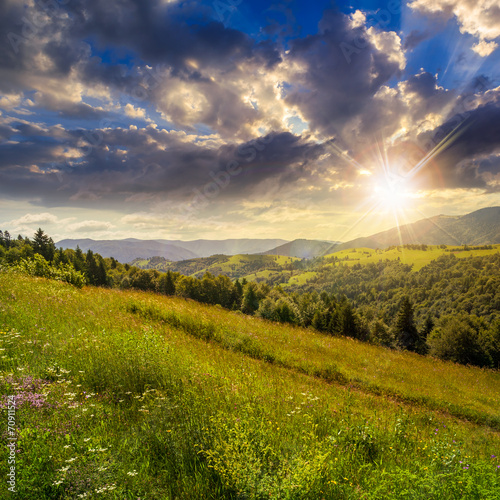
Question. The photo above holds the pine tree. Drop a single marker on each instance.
(250, 301)
(44, 245)
(6, 239)
(405, 331)
(168, 284)
(91, 269)
(102, 277)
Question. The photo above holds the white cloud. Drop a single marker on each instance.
(88, 226)
(44, 218)
(134, 112)
(10, 101)
(484, 48)
(480, 18)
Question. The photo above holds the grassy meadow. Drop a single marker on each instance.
(128, 395)
(416, 257)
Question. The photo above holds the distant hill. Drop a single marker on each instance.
(481, 227)
(234, 266)
(207, 248)
(302, 248)
(129, 249)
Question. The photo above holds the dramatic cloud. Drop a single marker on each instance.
(146, 108)
(337, 72)
(480, 18)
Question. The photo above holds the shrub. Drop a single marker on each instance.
(38, 266)
(462, 338)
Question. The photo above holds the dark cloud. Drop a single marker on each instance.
(343, 71)
(115, 164)
(473, 138)
(67, 36)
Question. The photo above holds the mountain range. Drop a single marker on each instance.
(129, 249)
(481, 227)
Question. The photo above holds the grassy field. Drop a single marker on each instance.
(129, 395)
(234, 266)
(419, 258)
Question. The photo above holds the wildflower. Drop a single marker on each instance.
(133, 473)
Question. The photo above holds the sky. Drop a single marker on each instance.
(245, 119)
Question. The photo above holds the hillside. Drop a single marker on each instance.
(481, 227)
(304, 249)
(175, 250)
(206, 248)
(413, 255)
(235, 266)
(143, 396)
(293, 273)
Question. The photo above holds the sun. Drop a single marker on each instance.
(393, 194)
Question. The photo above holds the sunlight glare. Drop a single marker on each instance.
(392, 194)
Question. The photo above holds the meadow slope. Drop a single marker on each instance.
(132, 395)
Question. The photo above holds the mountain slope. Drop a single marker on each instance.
(234, 266)
(207, 248)
(301, 248)
(481, 227)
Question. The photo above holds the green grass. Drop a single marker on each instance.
(419, 258)
(143, 396)
(301, 278)
(234, 266)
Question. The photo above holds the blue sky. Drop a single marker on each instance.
(231, 118)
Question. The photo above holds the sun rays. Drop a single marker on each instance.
(390, 186)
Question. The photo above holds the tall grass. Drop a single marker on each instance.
(128, 395)
(462, 391)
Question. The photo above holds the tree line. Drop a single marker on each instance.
(449, 309)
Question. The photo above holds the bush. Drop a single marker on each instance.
(463, 338)
(38, 266)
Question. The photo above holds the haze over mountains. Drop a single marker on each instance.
(481, 227)
(129, 249)
(307, 249)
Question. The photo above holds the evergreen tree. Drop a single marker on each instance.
(6, 239)
(91, 268)
(405, 331)
(347, 320)
(44, 245)
(79, 260)
(102, 277)
(427, 328)
(250, 301)
(167, 283)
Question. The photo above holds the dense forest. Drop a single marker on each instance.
(449, 309)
